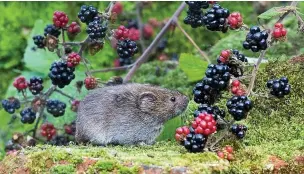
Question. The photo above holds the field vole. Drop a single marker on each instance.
(126, 114)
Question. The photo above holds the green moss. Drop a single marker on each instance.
(63, 169)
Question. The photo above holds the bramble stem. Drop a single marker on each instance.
(140, 25)
(193, 43)
(64, 94)
(112, 69)
(154, 43)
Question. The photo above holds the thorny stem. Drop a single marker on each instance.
(140, 25)
(112, 69)
(192, 42)
(262, 54)
(154, 43)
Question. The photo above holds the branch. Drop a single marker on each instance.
(64, 94)
(112, 69)
(154, 43)
(262, 54)
(193, 43)
(140, 25)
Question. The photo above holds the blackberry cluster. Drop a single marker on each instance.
(60, 140)
(195, 14)
(126, 49)
(35, 85)
(214, 110)
(239, 130)
(87, 13)
(96, 30)
(217, 78)
(51, 30)
(256, 39)
(55, 107)
(239, 56)
(279, 87)
(215, 18)
(61, 74)
(39, 41)
(28, 115)
(239, 106)
(11, 105)
(194, 142)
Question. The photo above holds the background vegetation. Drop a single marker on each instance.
(279, 124)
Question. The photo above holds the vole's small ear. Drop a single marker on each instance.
(147, 101)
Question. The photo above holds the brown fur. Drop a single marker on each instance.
(126, 114)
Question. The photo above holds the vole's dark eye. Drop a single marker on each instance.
(172, 99)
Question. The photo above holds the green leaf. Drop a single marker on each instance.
(275, 11)
(193, 66)
(41, 59)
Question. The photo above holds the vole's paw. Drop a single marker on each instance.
(142, 144)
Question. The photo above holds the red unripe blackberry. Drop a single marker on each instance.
(90, 83)
(278, 25)
(60, 19)
(277, 33)
(134, 34)
(221, 154)
(234, 89)
(148, 31)
(236, 83)
(235, 20)
(230, 157)
(229, 149)
(204, 124)
(225, 54)
(74, 28)
(118, 8)
(283, 32)
(121, 33)
(48, 130)
(73, 59)
(20, 83)
(153, 22)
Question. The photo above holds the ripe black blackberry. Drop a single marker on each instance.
(217, 76)
(87, 13)
(96, 30)
(256, 39)
(39, 41)
(10, 105)
(239, 56)
(35, 85)
(214, 110)
(126, 48)
(197, 5)
(60, 140)
(194, 18)
(279, 87)
(239, 130)
(55, 107)
(61, 74)
(51, 30)
(239, 106)
(194, 142)
(28, 116)
(162, 44)
(125, 61)
(215, 18)
(204, 93)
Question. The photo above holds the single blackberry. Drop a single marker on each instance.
(215, 18)
(96, 30)
(239, 106)
(60, 140)
(35, 85)
(239, 56)
(132, 23)
(279, 87)
(214, 110)
(256, 39)
(39, 41)
(87, 13)
(204, 93)
(197, 5)
(194, 18)
(51, 30)
(125, 61)
(239, 130)
(194, 142)
(61, 74)
(126, 48)
(217, 76)
(55, 107)
(10, 105)
(28, 116)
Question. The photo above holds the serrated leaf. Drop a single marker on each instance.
(275, 11)
(193, 66)
(38, 60)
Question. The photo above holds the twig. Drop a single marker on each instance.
(64, 94)
(193, 43)
(63, 43)
(140, 25)
(112, 69)
(154, 43)
(226, 130)
(262, 54)
(72, 43)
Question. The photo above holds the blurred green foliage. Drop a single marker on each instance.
(21, 20)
